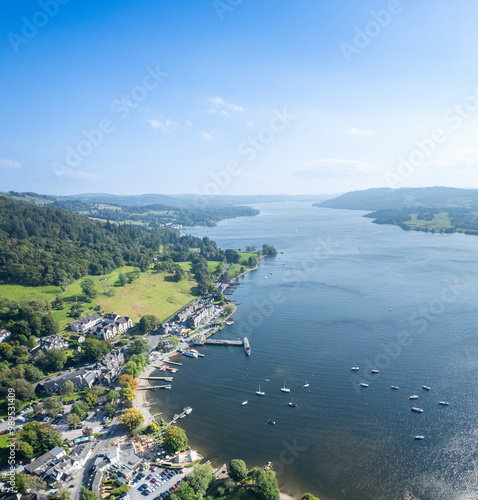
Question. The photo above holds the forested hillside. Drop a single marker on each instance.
(45, 245)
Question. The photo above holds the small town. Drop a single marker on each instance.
(95, 411)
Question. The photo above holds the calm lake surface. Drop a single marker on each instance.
(325, 307)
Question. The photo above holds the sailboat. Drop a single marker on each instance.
(259, 392)
(284, 389)
(291, 403)
(306, 383)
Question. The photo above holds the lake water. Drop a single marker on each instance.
(325, 307)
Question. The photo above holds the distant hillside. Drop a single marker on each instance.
(194, 201)
(433, 209)
(42, 245)
(387, 198)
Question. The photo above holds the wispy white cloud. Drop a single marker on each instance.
(338, 168)
(222, 107)
(81, 175)
(166, 125)
(466, 159)
(215, 111)
(358, 131)
(189, 124)
(6, 164)
(211, 135)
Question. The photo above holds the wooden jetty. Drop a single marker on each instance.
(168, 379)
(172, 363)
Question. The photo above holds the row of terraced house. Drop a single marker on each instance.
(104, 328)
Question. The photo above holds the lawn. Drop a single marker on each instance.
(245, 257)
(151, 294)
(441, 221)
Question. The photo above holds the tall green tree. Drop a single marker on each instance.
(238, 469)
(88, 288)
(175, 439)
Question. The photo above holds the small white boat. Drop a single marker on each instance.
(187, 410)
(418, 410)
(306, 384)
(355, 368)
(363, 384)
(419, 437)
(244, 403)
(285, 389)
(265, 277)
(443, 403)
(426, 388)
(259, 392)
(267, 380)
(292, 404)
(375, 371)
(272, 422)
(395, 387)
(413, 397)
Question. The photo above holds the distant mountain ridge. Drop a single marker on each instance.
(388, 198)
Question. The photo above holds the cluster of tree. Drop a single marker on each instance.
(51, 246)
(156, 215)
(174, 439)
(131, 418)
(461, 218)
(128, 388)
(35, 439)
(26, 321)
(148, 323)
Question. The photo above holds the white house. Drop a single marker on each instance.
(84, 324)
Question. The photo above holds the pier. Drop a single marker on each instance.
(176, 418)
(168, 379)
(223, 342)
(153, 387)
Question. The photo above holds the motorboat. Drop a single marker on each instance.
(443, 403)
(413, 397)
(419, 437)
(244, 403)
(272, 422)
(427, 388)
(418, 410)
(395, 387)
(375, 371)
(363, 384)
(355, 368)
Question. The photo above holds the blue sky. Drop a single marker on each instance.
(231, 97)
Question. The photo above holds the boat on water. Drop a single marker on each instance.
(259, 392)
(443, 403)
(164, 368)
(414, 397)
(306, 384)
(187, 410)
(229, 323)
(182, 415)
(363, 384)
(265, 277)
(173, 370)
(192, 353)
(272, 422)
(395, 387)
(375, 371)
(247, 346)
(355, 368)
(167, 386)
(427, 388)
(418, 410)
(267, 380)
(291, 403)
(285, 389)
(419, 437)
(244, 403)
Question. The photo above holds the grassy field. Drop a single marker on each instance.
(150, 294)
(440, 222)
(245, 257)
